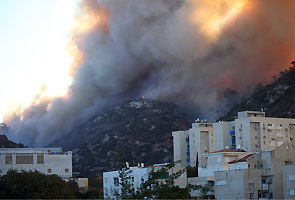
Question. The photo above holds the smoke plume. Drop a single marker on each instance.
(184, 51)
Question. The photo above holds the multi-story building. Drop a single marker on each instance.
(190, 144)
(258, 175)
(137, 175)
(45, 160)
(254, 132)
(251, 131)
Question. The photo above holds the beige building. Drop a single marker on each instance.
(260, 175)
(197, 140)
(201, 141)
(254, 132)
(251, 131)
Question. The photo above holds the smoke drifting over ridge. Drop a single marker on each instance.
(185, 51)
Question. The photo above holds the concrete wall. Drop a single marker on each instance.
(237, 184)
(180, 147)
(222, 139)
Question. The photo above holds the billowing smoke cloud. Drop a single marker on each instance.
(185, 51)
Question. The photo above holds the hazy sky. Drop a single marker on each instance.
(33, 37)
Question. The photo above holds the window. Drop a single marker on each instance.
(291, 192)
(251, 195)
(0, 171)
(288, 162)
(24, 158)
(116, 181)
(40, 158)
(8, 159)
(263, 181)
(291, 177)
(221, 182)
(66, 170)
(251, 184)
(106, 192)
(271, 195)
(165, 175)
(49, 170)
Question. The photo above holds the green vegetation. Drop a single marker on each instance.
(34, 185)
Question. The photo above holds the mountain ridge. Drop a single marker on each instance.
(138, 131)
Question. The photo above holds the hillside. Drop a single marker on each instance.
(4, 142)
(136, 131)
(277, 99)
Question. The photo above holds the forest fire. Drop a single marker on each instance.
(122, 49)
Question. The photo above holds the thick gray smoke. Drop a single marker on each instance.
(152, 48)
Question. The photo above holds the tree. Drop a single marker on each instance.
(127, 190)
(34, 185)
(158, 186)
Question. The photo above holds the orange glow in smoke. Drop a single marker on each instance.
(211, 16)
(87, 20)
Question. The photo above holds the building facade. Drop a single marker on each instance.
(196, 141)
(45, 160)
(258, 175)
(251, 131)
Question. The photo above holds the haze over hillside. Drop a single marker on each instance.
(277, 99)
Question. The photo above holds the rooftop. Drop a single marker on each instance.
(243, 159)
(228, 151)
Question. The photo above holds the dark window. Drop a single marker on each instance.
(271, 195)
(40, 158)
(263, 181)
(251, 195)
(66, 170)
(49, 170)
(24, 158)
(116, 181)
(165, 175)
(8, 159)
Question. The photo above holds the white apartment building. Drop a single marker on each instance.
(218, 161)
(45, 160)
(251, 131)
(111, 180)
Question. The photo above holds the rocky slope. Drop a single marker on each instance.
(277, 99)
(4, 142)
(136, 131)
